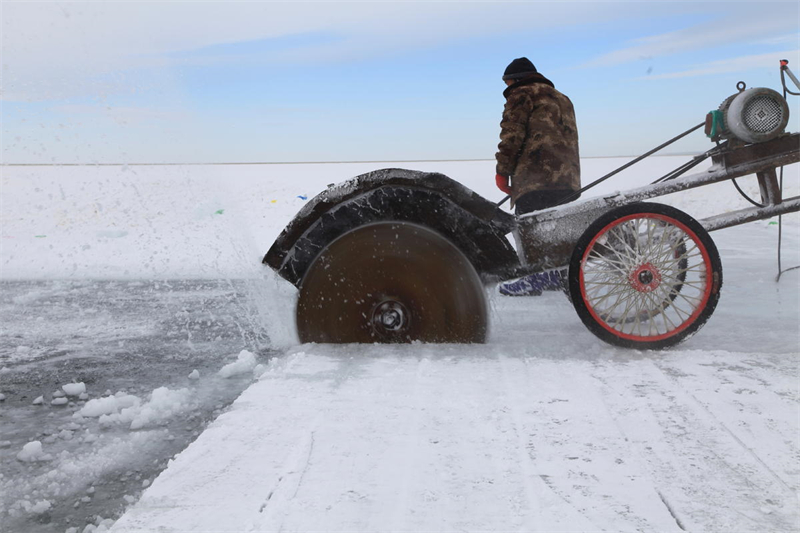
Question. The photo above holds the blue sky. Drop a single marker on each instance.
(190, 82)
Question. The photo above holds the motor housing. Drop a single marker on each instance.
(751, 115)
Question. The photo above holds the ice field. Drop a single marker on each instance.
(157, 268)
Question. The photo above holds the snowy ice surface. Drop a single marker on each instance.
(544, 427)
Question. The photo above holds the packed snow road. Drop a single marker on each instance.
(426, 438)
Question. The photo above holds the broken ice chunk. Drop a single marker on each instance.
(74, 389)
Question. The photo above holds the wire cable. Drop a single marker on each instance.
(684, 168)
(576, 194)
(780, 186)
(780, 238)
(744, 195)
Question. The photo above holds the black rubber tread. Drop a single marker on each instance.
(703, 240)
(473, 223)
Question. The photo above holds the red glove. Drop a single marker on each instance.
(502, 183)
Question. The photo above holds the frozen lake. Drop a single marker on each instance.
(127, 279)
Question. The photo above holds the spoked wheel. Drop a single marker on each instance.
(391, 282)
(645, 276)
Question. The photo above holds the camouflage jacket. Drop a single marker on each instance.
(538, 139)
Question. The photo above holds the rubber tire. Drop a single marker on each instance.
(693, 231)
(438, 290)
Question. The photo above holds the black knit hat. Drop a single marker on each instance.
(518, 69)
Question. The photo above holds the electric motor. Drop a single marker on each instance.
(752, 115)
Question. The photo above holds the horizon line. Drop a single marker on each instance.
(299, 162)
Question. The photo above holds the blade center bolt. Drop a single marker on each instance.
(389, 316)
(392, 318)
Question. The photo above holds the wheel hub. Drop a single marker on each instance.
(389, 318)
(645, 278)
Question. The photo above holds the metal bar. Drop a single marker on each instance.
(768, 185)
(785, 68)
(716, 173)
(683, 169)
(750, 214)
(547, 238)
(631, 163)
(551, 244)
(576, 194)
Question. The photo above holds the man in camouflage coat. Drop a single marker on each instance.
(538, 151)
(538, 146)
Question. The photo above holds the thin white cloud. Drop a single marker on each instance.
(736, 64)
(60, 50)
(738, 26)
(789, 39)
(119, 114)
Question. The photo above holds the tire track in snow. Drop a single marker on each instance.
(710, 420)
(716, 420)
(658, 450)
(588, 458)
(538, 492)
(410, 458)
(605, 392)
(289, 482)
(671, 510)
(532, 489)
(696, 462)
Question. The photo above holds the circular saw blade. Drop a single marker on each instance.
(391, 282)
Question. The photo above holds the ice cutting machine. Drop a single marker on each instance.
(399, 255)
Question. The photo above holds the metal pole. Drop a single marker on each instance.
(574, 195)
(785, 68)
(623, 167)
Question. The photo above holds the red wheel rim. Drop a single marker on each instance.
(630, 288)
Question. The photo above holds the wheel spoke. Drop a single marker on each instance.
(693, 302)
(659, 307)
(614, 265)
(626, 311)
(615, 292)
